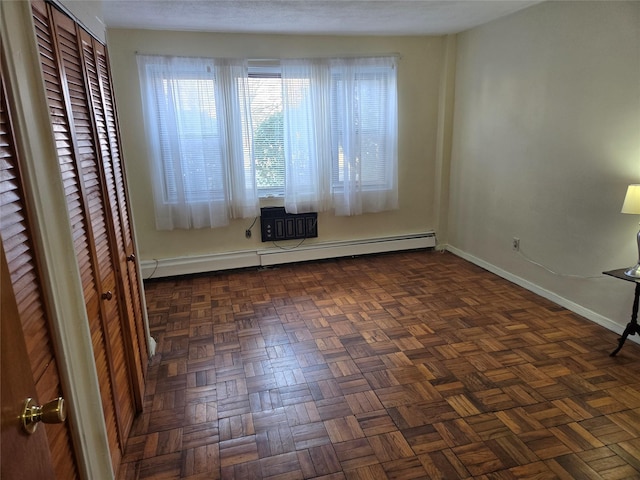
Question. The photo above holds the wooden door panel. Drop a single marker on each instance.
(21, 456)
(16, 236)
(64, 146)
(108, 402)
(79, 95)
(111, 171)
(61, 446)
(96, 208)
(25, 280)
(119, 177)
(119, 358)
(69, 112)
(98, 246)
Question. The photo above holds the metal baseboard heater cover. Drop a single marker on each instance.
(277, 224)
(215, 262)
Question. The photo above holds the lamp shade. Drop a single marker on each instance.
(631, 202)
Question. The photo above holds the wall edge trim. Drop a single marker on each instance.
(543, 292)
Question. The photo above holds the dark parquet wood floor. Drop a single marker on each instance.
(414, 365)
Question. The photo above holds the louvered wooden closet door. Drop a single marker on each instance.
(75, 95)
(17, 241)
(120, 192)
(104, 115)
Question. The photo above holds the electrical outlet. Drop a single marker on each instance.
(247, 233)
(516, 244)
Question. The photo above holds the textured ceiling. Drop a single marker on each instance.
(322, 17)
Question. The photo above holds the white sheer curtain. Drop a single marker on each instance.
(232, 95)
(201, 163)
(364, 120)
(307, 135)
(340, 135)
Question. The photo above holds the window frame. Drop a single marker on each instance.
(170, 178)
(318, 123)
(382, 184)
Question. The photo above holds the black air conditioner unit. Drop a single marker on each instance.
(277, 224)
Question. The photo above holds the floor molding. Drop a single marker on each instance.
(543, 292)
(275, 255)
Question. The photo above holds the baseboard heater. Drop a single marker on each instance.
(276, 224)
(346, 248)
(215, 262)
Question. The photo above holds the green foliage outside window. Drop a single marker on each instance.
(268, 145)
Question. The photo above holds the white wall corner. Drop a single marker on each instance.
(444, 136)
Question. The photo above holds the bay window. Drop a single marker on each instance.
(321, 133)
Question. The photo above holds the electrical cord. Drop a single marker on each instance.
(154, 269)
(247, 232)
(315, 222)
(253, 223)
(289, 248)
(568, 275)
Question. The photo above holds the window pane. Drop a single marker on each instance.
(268, 133)
(359, 127)
(199, 141)
(191, 156)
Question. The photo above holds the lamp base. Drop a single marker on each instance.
(634, 271)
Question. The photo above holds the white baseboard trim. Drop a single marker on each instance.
(322, 251)
(543, 292)
(169, 267)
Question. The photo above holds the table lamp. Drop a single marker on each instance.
(631, 204)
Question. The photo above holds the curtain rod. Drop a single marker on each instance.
(376, 55)
(355, 55)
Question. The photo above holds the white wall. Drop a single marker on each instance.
(418, 84)
(88, 14)
(546, 138)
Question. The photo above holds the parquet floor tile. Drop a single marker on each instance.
(413, 365)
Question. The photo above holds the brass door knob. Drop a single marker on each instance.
(131, 257)
(54, 411)
(107, 295)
